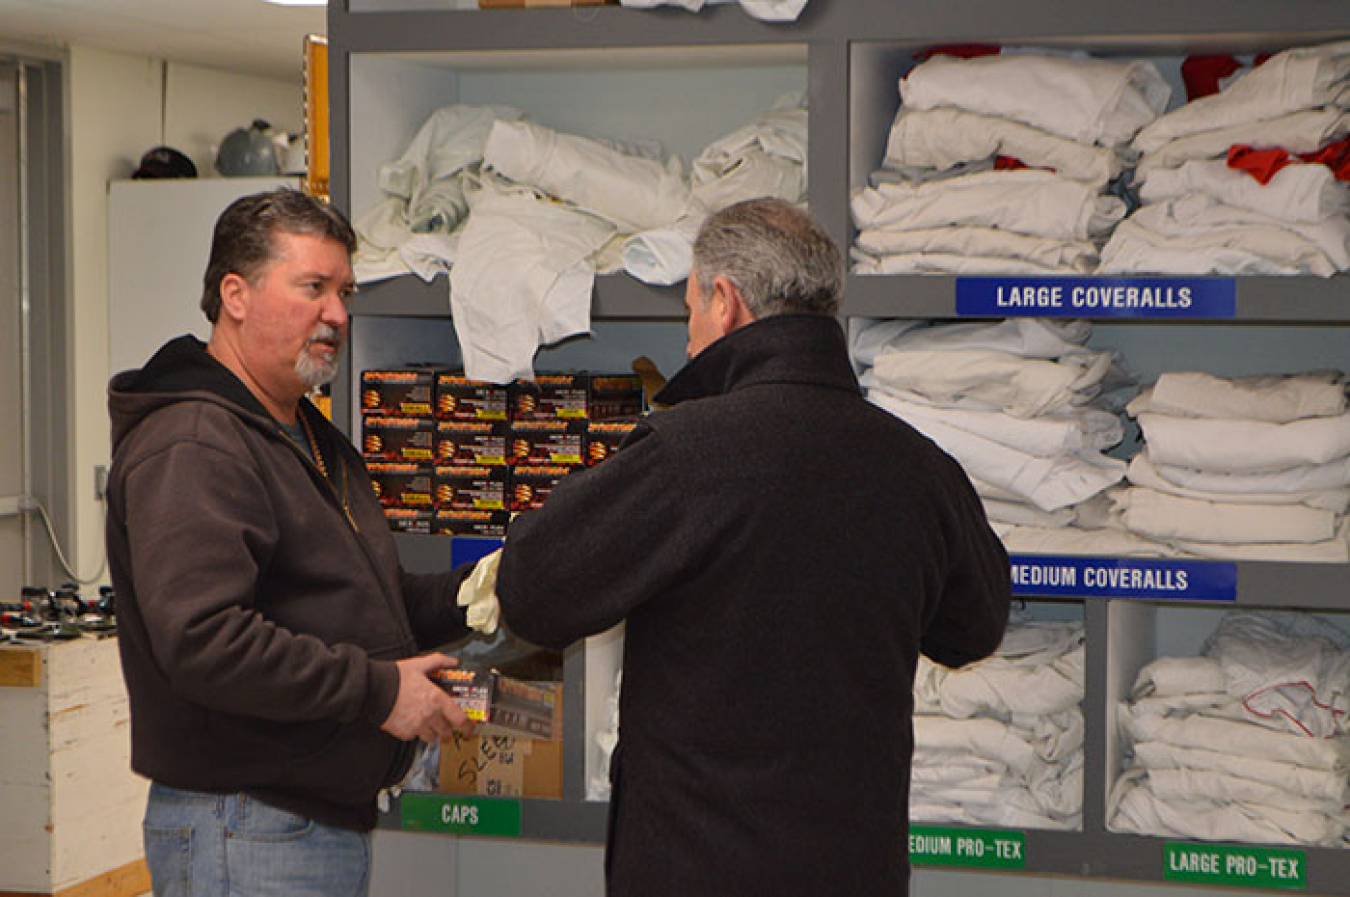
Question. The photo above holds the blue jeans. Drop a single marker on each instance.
(229, 845)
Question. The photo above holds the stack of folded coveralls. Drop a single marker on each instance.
(1251, 468)
(1000, 164)
(1000, 742)
(1025, 407)
(1250, 179)
(1246, 742)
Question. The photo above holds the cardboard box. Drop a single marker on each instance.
(497, 765)
(603, 438)
(550, 397)
(535, 442)
(531, 486)
(464, 488)
(487, 524)
(459, 398)
(400, 393)
(496, 762)
(472, 443)
(410, 439)
(401, 485)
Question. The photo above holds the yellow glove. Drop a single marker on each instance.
(478, 593)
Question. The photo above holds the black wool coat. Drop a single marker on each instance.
(781, 551)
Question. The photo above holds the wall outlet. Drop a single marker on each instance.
(13, 504)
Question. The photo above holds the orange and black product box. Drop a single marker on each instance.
(550, 397)
(487, 524)
(614, 395)
(401, 485)
(410, 520)
(470, 442)
(603, 438)
(402, 393)
(487, 696)
(398, 439)
(536, 442)
(463, 488)
(532, 485)
(459, 398)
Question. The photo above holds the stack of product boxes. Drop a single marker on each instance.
(456, 456)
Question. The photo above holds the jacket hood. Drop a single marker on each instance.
(182, 370)
(797, 348)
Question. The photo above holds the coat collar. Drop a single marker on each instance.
(779, 349)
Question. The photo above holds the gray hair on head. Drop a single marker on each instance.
(777, 255)
(242, 241)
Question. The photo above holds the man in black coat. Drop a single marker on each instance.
(781, 551)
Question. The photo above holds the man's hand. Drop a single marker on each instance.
(422, 710)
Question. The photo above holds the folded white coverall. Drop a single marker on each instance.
(1023, 387)
(1221, 239)
(633, 192)
(1297, 78)
(1133, 807)
(1084, 99)
(1300, 781)
(1234, 251)
(1047, 483)
(1238, 737)
(523, 279)
(1302, 192)
(1072, 429)
(1291, 672)
(1278, 398)
(1170, 676)
(1295, 480)
(1019, 513)
(1304, 131)
(1022, 337)
(1142, 472)
(1075, 541)
(945, 137)
(1335, 550)
(1244, 445)
(981, 244)
(1039, 203)
(953, 263)
(1165, 517)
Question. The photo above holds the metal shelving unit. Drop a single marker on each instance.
(844, 48)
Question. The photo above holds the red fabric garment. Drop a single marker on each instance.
(1008, 163)
(1335, 156)
(1259, 163)
(960, 51)
(1202, 73)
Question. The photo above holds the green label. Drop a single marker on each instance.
(459, 815)
(972, 847)
(1244, 867)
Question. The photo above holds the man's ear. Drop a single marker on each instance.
(234, 294)
(732, 313)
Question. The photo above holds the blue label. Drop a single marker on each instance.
(1096, 297)
(1086, 577)
(470, 548)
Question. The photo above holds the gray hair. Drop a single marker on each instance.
(777, 255)
(242, 242)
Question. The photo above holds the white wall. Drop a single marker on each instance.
(118, 108)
